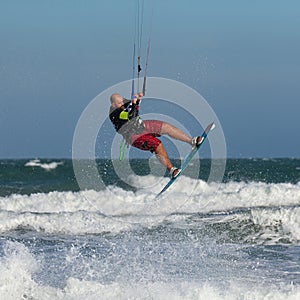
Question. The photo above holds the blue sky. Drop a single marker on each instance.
(242, 56)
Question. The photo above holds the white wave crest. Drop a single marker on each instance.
(46, 166)
(115, 209)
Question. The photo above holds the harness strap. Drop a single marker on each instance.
(123, 145)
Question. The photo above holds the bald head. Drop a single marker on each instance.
(116, 100)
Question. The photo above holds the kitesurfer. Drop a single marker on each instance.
(124, 114)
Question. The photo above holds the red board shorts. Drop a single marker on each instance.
(148, 140)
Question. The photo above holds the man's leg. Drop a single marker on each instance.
(149, 142)
(175, 133)
(163, 156)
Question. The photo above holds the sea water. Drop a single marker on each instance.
(235, 239)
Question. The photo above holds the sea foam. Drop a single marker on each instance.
(115, 209)
(18, 280)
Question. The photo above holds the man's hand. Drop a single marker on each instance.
(137, 98)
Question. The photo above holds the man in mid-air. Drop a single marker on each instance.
(124, 114)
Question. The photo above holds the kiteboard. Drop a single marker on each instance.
(188, 158)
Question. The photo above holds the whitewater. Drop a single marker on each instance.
(238, 239)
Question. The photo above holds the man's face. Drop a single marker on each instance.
(118, 102)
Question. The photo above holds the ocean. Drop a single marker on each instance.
(234, 239)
